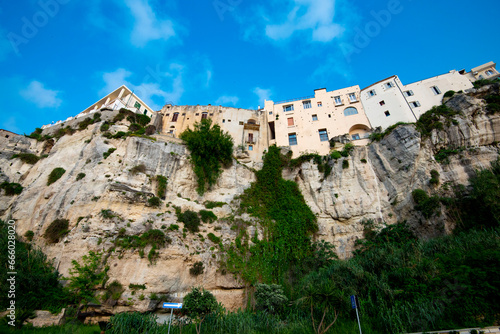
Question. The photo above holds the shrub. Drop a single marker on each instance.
(142, 119)
(197, 269)
(87, 276)
(210, 149)
(434, 177)
(442, 156)
(134, 127)
(105, 155)
(363, 161)
(11, 189)
(137, 286)
(198, 304)
(345, 164)
(119, 135)
(173, 227)
(207, 216)
(29, 235)
(154, 201)
(37, 134)
(55, 175)
(449, 93)
(57, 229)
(483, 82)
(433, 119)
(138, 169)
(211, 205)
(107, 214)
(104, 127)
(80, 176)
(213, 238)
(336, 155)
(428, 206)
(28, 158)
(114, 290)
(377, 136)
(270, 298)
(190, 219)
(492, 103)
(85, 123)
(162, 185)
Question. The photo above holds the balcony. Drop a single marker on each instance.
(251, 126)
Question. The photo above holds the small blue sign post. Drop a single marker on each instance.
(171, 306)
(355, 306)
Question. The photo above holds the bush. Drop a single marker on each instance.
(134, 127)
(377, 136)
(197, 269)
(336, 155)
(270, 298)
(105, 155)
(107, 214)
(80, 176)
(28, 158)
(213, 238)
(11, 189)
(57, 229)
(207, 216)
(173, 227)
(345, 164)
(211, 204)
(162, 185)
(37, 134)
(29, 235)
(55, 175)
(449, 93)
(428, 206)
(138, 169)
(198, 304)
(85, 123)
(104, 127)
(210, 149)
(434, 177)
(154, 201)
(433, 119)
(114, 290)
(86, 277)
(190, 219)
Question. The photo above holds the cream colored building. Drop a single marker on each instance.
(122, 97)
(307, 124)
(485, 71)
(247, 127)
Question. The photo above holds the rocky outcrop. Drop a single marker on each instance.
(375, 183)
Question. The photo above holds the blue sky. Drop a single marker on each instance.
(57, 57)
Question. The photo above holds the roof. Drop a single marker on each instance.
(373, 84)
(482, 67)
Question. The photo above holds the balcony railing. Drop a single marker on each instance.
(297, 99)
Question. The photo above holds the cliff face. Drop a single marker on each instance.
(376, 185)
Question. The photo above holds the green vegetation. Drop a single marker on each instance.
(29, 235)
(198, 304)
(190, 219)
(134, 323)
(323, 163)
(137, 286)
(11, 188)
(449, 93)
(442, 156)
(155, 238)
(434, 177)
(138, 169)
(270, 298)
(57, 229)
(154, 201)
(345, 164)
(212, 205)
(87, 276)
(483, 82)
(211, 148)
(80, 176)
(107, 214)
(212, 237)
(173, 227)
(55, 175)
(28, 158)
(105, 155)
(428, 206)
(378, 136)
(196, 269)
(434, 118)
(64, 131)
(114, 291)
(492, 103)
(207, 216)
(162, 186)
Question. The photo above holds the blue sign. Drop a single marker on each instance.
(353, 301)
(172, 305)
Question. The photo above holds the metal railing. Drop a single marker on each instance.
(297, 99)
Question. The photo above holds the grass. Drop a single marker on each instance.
(212, 205)
(28, 158)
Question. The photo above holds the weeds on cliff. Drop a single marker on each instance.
(433, 119)
(162, 186)
(86, 277)
(105, 155)
(378, 136)
(207, 216)
(443, 155)
(428, 206)
(138, 169)
(213, 238)
(11, 188)
(190, 219)
(211, 148)
(55, 175)
(56, 230)
(28, 158)
(212, 205)
(80, 176)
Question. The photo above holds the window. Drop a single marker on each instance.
(382, 102)
(174, 118)
(355, 136)
(489, 72)
(223, 121)
(338, 100)
(270, 113)
(183, 114)
(167, 115)
(290, 121)
(241, 123)
(323, 135)
(315, 117)
(409, 93)
(320, 104)
(204, 115)
(352, 97)
(137, 105)
(197, 114)
(436, 90)
(329, 116)
(389, 85)
(372, 93)
(250, 137)
(415, 104)
(250, 147)
(306, 104)
(292, 139)
(350, 111)
(145, 112)
(387, 113)
(288, 107)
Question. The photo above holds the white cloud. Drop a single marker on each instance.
(149, 91)
(147, 26)
(39, 95)
(226, 99)
(262, 94)
(313, 16)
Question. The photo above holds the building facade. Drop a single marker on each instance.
(307, 124)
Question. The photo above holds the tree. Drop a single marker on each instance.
(270, 297)
(85, 277)
(198, 304)
(210, 149)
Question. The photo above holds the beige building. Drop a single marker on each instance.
(307, 124)
(122, 97)
(244, 125)
(485, 71)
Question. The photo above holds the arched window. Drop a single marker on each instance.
(350, 111)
